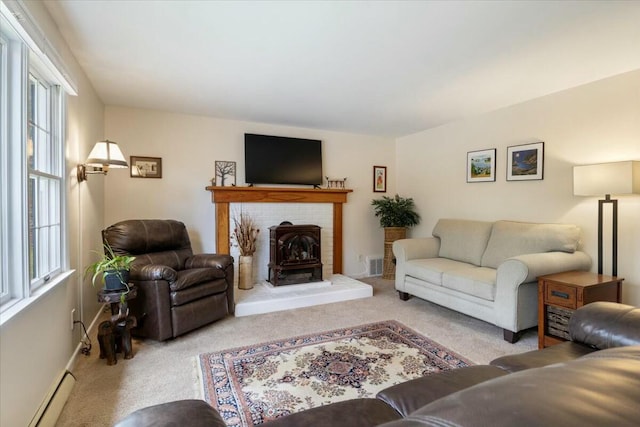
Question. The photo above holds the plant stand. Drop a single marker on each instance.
(391, 234)
(114, 336)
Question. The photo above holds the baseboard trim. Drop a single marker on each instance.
(74, 357)
(51, 407)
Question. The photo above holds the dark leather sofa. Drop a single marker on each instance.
(592, 380)
(177, 291)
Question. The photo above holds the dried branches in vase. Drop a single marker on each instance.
(245, 233)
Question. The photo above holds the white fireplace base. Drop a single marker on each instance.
(265, 298)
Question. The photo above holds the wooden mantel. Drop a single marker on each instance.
(222, 196)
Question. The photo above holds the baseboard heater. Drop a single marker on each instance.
(51, 407)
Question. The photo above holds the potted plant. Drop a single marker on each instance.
(112, 269)
(396, 212)
(396, 215)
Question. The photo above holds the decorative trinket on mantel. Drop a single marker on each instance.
(336, 183)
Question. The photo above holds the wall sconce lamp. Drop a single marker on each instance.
(606, 179)
(104, 155)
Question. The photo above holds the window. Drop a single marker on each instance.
(43, 152)
(4, 288)
(32, 235)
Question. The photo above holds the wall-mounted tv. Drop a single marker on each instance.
(281, 160)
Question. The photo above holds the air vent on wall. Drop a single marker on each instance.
(374, 265)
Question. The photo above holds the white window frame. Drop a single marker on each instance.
(46, 263)
(20, 58)
(5, 295)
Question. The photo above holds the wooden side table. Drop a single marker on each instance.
(114, 335)
(560, 294)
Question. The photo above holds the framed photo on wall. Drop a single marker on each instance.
(145, 167)
(525, 162)
(379, 179)
(225, 173)
(481, 165)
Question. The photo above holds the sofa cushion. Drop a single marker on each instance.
(431, 269)
(509, 239)
(365, 412)
(477, 281)
(558, 353)
(194, 413)
(463, 240)
(411, 395)
(192, 293)
(600, 389)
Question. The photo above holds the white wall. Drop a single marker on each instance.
(37, 343)
(189, 145)
(595, 123)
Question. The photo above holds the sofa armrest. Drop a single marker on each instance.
(603, 325)
(424, 247)
(527, 268)
(408, 249)
(209, 261)
(517, 303)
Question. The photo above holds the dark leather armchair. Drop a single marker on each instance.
(177, 290)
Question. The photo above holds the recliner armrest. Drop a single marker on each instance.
(209, 261)
(153, 272)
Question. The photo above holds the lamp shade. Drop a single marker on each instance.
(607, 178)
(106, 153)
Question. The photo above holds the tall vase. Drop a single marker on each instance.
(245, 273)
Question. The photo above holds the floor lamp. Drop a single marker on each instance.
(605, 179)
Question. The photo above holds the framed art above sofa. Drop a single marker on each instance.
(525, 162)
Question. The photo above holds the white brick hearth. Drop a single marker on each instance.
(266, 298)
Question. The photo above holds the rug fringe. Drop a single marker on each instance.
(199, 382)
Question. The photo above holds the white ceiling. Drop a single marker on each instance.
(387, 68)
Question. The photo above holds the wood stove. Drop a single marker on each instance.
(294, 254)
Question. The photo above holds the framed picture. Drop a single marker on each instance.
(379, 179)
(145, 167)
(481, 165)
(525, 162)
(225, 174)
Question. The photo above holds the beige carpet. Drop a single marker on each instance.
(166, 371)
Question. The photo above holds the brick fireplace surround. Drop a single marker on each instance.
(223, 196)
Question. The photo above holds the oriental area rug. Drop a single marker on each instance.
(255, 384)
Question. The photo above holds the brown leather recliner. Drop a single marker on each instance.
(177, 290)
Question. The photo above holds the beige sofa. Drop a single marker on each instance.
(487, 270)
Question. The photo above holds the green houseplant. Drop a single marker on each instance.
(396, 211)
(396, 214)
(112, 269)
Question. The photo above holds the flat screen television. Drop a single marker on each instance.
(281, 160)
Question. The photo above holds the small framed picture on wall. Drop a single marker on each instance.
(525, 162)
(145, 167)
(481, 165)
(379, 179)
